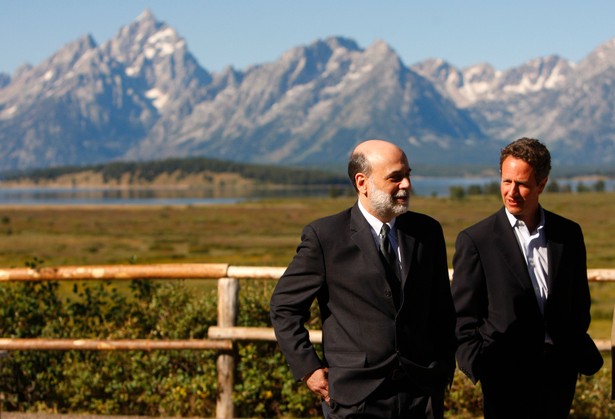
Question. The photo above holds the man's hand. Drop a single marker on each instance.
(318, 382)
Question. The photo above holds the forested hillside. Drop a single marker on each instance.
(197, 171)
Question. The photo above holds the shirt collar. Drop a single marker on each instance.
(514, 222)
(374, 222)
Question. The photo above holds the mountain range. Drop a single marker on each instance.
(143, 96)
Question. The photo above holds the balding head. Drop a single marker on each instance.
(368, 153)
(380, 174)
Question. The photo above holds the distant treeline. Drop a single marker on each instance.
(150, 170)
(493, 188)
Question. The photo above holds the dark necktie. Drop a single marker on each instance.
(387, 250)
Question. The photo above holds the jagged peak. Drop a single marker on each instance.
(22, 69)
(548, 61)
(381, 44)
(72, 51)
(439, 69)
(484, 66)
(380, 50)
(331, 43)
(146, 15)
(380, 47)
(607, 46)
(5, 80)
(598, 61)
(86, 41)
(604, 52)
(144, 35)
(145, 24)
(435, 64)
(228, 76)
(342, 42)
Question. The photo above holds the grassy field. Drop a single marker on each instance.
(262, 233)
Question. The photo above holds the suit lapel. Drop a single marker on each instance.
(554, 250)
(508, 245)
(406, 247)
(361, 234)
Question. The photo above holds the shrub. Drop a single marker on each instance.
(174, 383)
(133, 383)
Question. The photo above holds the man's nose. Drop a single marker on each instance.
(405, 183)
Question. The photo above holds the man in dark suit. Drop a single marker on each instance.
(387, 325)
(522, 298)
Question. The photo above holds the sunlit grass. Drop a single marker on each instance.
(260, 233)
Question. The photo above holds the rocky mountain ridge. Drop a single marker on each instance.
(143, 96)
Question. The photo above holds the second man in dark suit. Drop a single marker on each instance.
(522, 298)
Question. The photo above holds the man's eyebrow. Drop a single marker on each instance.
(519, 181)
(402, 172)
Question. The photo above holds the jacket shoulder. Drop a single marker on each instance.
(330, 226)
(486, 224)
(551, 217)
(417, 218)
(331, 220)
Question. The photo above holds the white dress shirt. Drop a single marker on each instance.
(533, 244)
(376, 225)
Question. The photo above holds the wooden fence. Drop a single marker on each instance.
(220, 338)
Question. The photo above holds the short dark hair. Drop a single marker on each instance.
(358, 163)
(531, 151)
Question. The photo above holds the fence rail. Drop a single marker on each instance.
(111, 345)
(180, 271)
(221, 337)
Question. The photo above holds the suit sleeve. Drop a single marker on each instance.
(291, 301)
(581, 291)
(444, 304)
(470, 299)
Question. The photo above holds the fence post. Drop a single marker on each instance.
(613, 356)
(2, 355)
(228, 292)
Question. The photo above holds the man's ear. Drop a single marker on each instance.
(542, 184)
(361, 182)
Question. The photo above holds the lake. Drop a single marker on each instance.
(423, 186)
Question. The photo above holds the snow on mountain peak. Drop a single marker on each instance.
(310, 104)
(163, 43)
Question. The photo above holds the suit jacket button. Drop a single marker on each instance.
(388, 293)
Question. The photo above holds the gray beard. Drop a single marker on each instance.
(384, 205)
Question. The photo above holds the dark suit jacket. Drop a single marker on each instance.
(364, 336)
(498, 318)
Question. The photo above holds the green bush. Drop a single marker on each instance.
(592, 397)
(174, 383)
(264, 385)
(153, 383)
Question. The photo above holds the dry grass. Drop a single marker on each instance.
(258, 233)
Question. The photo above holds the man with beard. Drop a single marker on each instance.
(379, 273)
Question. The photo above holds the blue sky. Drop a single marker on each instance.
(245, 32)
